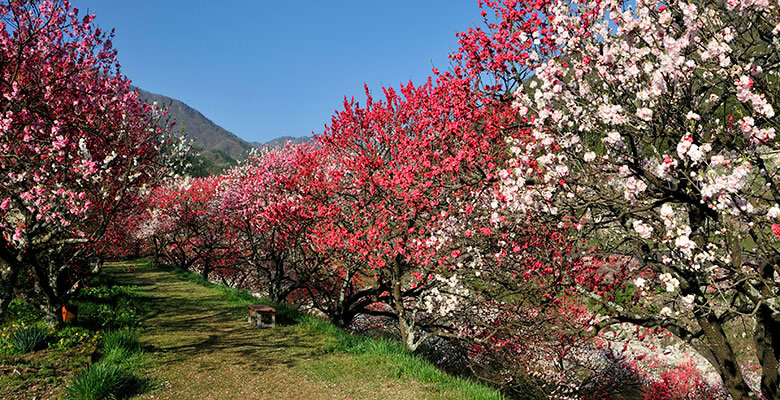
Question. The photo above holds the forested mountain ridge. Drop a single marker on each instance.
(217, 148)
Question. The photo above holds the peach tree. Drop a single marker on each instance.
(76, 145)
(653, 127)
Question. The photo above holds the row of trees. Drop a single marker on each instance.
(391, 213)
(586, 166)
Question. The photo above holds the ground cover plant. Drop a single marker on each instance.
(40, 362)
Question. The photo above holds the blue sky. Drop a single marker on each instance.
(264, 69)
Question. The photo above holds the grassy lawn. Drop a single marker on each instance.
(46, 368)
(39, 375)
(200, 346)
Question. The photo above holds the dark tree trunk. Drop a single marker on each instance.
(9, 273)
(724, 359)
(206, 271)
(767, 338)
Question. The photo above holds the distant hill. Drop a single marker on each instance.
(281, 141)
(218, 148)
(204, 133)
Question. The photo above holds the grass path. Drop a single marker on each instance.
(201, 347)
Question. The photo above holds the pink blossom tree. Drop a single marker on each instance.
(76, 145)
(185, 226)
(267, 200)
(654, 138)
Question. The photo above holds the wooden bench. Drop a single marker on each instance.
(257, 312)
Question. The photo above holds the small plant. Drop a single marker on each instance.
(108, 316)
(73, 336)
(101, 381)
(119, 346)
(22, 313)
(23, 338)
(124, 339)
(126, 318)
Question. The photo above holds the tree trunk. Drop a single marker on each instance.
(725, 360)
(339, 317)
(206, 271)
(767, 337)
(48, 294)
(53, 316)
(9, 273)
(406, 329)
(278, 278)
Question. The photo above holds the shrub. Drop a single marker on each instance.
(22, 313)
(24, 338)
(101, 381)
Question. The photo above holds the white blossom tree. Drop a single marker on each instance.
(653, 128)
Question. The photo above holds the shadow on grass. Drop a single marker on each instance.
(193, 326)
(211, 323)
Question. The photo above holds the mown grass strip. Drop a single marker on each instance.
(384, 354)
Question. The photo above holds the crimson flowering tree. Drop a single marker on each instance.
(683, 381)
(76, 143)
(411, 166)
(654, 138)
(185, 226)
(421, 237)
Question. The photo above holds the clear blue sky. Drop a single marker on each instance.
(264, 69)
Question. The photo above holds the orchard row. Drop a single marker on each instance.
(585, 171)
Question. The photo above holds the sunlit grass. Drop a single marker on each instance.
(304, 357)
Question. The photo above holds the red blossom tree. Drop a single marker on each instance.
(411, 166)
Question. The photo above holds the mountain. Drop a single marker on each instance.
(218, 148)
(204, 133)
(282, 140)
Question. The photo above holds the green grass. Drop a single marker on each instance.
(40, 375)
(36, 362)
(237, 299)
(202, 347)
(392, 359)
(171, 335)
(122, 348)
(102, 381)
(113, 376)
